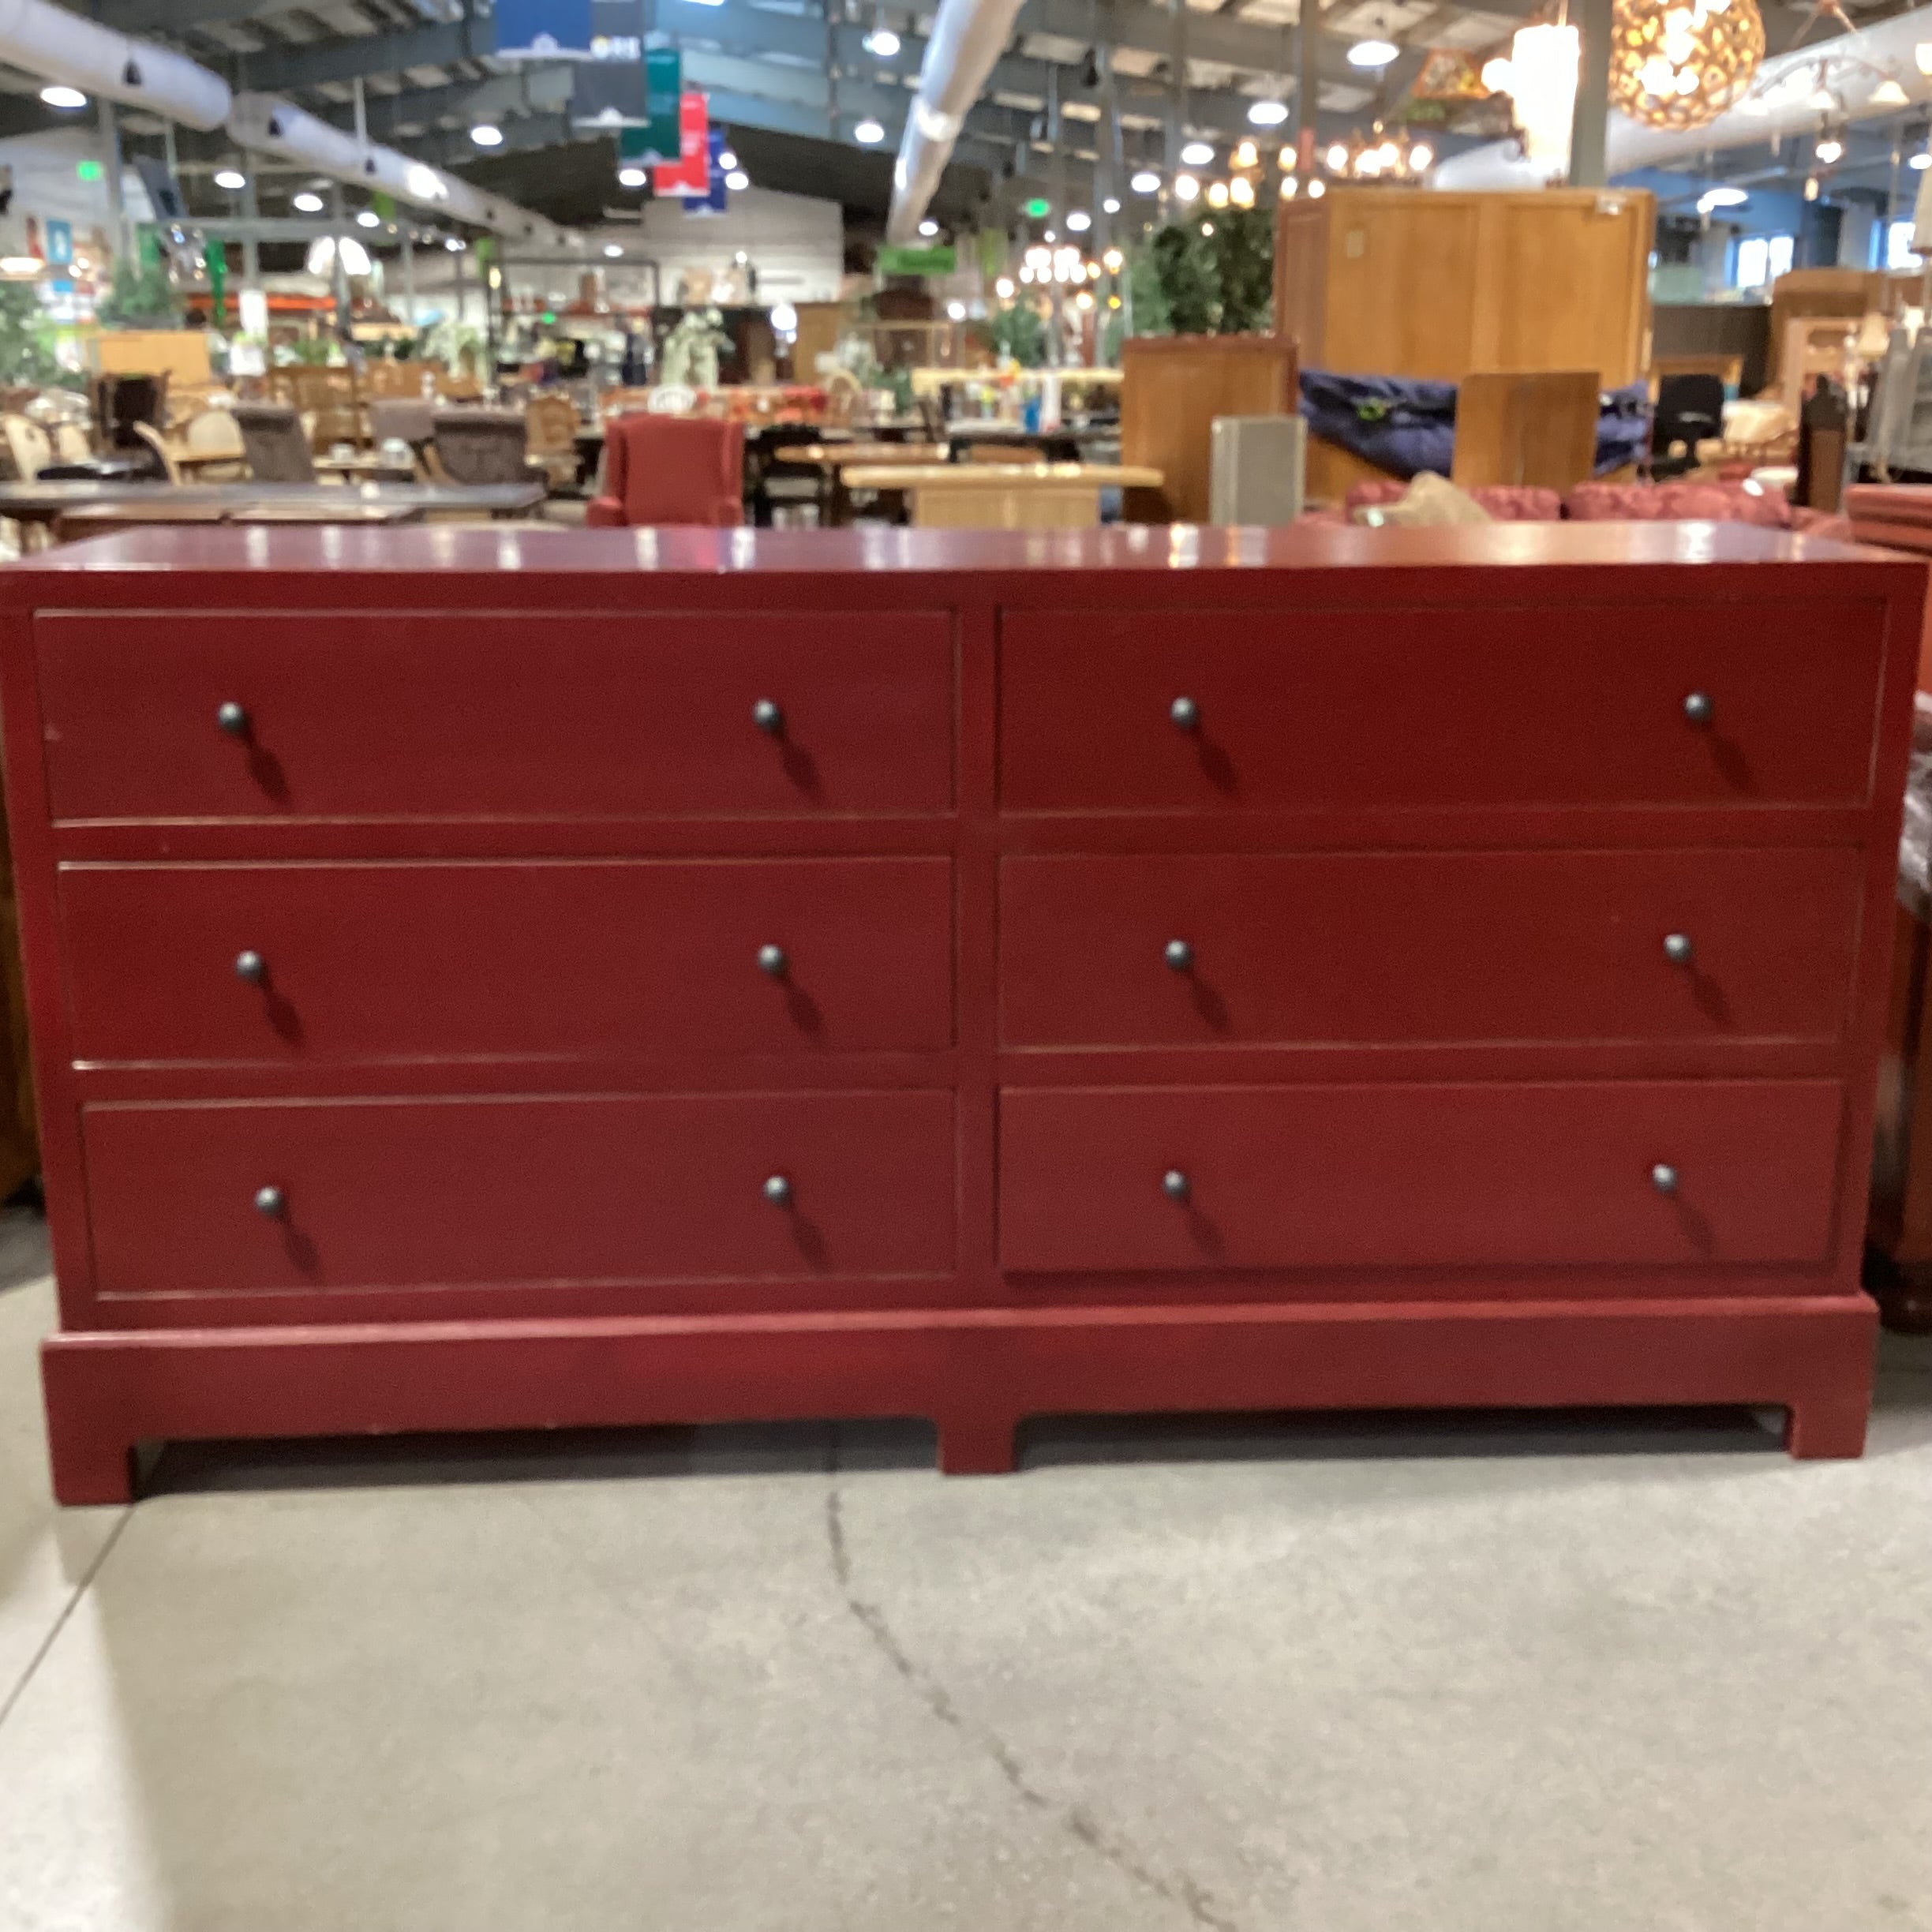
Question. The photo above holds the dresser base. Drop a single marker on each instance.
(976, 1373)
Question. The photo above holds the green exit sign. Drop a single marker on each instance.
(1037, 210)
(89, 170)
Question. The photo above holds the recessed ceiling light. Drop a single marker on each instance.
(67, 97)
(306, 204)
(1372, 53)
(1079, 221)
(1721, 197)
(882, 43)
(487, 134)
(1197, 154)
(929, 227)
(1268, 113)
(1186, 188)
(368, 218)
(1110, 205)
(1145, 182)
(633, 177)
(232, 179)
(1921, 160)
(868, 133)
(456, 245)
(614, 250)
(737, 181)
(727, 161)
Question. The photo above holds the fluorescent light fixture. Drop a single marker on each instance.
(1720, 198)
(487, 134)
(1186, 188)
(308, 203)
(633, 177)
(1078, 221)
(868, 133)
(322, 254)
(613, 251)
(737, 181)
(65, 97)
(1197, 154)
(1372, 53)
(232, 179)
(1145, 182)
(929, 227)
(1268, 113)
(17, 267)
(425, 183)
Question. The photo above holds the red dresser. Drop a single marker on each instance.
(483, 978)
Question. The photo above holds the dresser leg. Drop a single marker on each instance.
(977, 1444)
(89, 1469)
(1818, 1427)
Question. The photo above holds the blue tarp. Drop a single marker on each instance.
(1403, 424)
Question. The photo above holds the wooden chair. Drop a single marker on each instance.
(27, 445)
(478, 446)
(162, 450)
(392, 382)
(551, 437)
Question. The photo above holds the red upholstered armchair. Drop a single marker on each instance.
(671, 470)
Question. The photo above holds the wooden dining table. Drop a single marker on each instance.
(1004, 496)
(835, 461)
(47, 502)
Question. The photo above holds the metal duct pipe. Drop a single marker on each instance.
(966, 37)
(59, 45)
(1852, 67)
(269, 125)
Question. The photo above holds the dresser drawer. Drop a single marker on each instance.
(1416, 708)
(1411, 947)
(1422, 1176)
(473, 1193)
(375, 961)
(493, 716)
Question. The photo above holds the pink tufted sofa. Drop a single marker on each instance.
(1621, 503)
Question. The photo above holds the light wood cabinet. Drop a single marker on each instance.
(1410, 282)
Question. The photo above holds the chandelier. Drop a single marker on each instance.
(1378, 155)
(1678, 63)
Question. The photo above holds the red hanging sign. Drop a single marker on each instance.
(690, 174)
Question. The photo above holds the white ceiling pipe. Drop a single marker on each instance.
(1852, 67)
(59, 45)
(968, 37)
(269, 125)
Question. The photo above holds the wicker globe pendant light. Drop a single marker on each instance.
(1681, 63)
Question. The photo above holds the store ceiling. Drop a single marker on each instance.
(428, 73)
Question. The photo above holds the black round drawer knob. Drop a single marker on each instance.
(772, 959)
(1185, 713)
(234, 719)
(1179, 956)
(769, 717)
(1663, 1177)
(251, 967)
(1698, 708)
(1678, 949)
(778, 1191)
(271, 1202)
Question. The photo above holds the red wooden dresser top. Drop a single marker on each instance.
(482, 556)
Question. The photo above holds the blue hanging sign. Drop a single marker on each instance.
(543, 29)
(716, 197)
(60, 243)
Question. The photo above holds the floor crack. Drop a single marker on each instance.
(1181, 1890)
(67, 1610)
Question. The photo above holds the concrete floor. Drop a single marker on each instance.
(1559, 1676)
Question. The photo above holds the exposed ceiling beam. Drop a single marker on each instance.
(545, 90)
(319, 63)
(164, 17)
